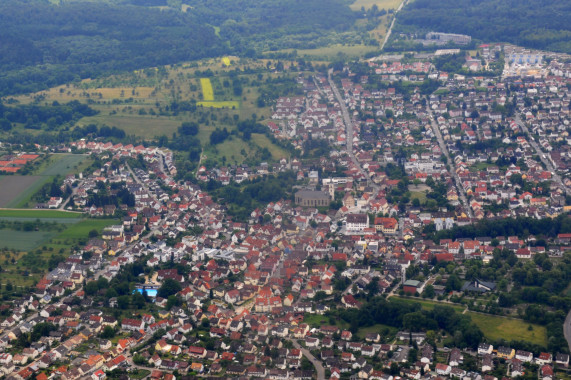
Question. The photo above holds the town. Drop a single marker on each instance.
(431, 241)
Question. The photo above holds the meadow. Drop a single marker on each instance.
(429, 305)
(496, 327)
(381, 4)
(139, 102)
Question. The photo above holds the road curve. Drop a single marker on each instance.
(316, 363)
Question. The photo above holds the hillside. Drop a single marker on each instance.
(541, 24)
(43, 43)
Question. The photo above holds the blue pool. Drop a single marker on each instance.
(150, 292)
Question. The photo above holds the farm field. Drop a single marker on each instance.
(17, 191)
(38, 214)
(331, 52)
(496, 327)
(207, 91)
(23, 241)
(143, 126)
(12, 187)
(381, 4)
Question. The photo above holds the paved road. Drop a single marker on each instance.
(542, 155)
(316, 363)
(567, 329)
(390, 30)
(349, 131)
(459, 187)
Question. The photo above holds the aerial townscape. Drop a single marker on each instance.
(377, 189)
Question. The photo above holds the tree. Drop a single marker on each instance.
(169, 288)
(91, 288)
(138, 300)
(123, 302)
(108, 332)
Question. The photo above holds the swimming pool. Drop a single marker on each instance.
(150, 292)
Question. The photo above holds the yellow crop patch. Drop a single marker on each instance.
(207, 91)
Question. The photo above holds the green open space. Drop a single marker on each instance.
(316, 320)
(378, 328)
(381, 4)
(496, 327)
(264, 142)
(23, 240)
(429, 305)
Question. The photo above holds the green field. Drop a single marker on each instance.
(496, 327)
(144, 126)
(207, 91)
(264, 142)
(81, 229)
(39, 214)
(23, 241)
(316, 320)
(15, 196)
(429, 305)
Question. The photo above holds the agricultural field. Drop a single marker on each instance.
(496, 327)
(11, 187)
(332, 52)
(381, 4)
(23, 240)
(41, 214)
(16, 191)
(140, 102)
(207, 91)
(26, 255)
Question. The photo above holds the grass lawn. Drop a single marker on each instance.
(429, 305)
(63, 164)
(207, 91)
(420, 195)
(378, 328)
(139, 374)
(496, 327)
(316, 320)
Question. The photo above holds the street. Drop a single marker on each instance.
(444, 149)
(316, 363)
(349, 133)
(542, 156)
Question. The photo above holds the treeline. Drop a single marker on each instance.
(51, 117)
(521, 227)
(409, 316)
(541, 24)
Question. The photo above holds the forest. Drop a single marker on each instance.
(43, 45)
(541, 24)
